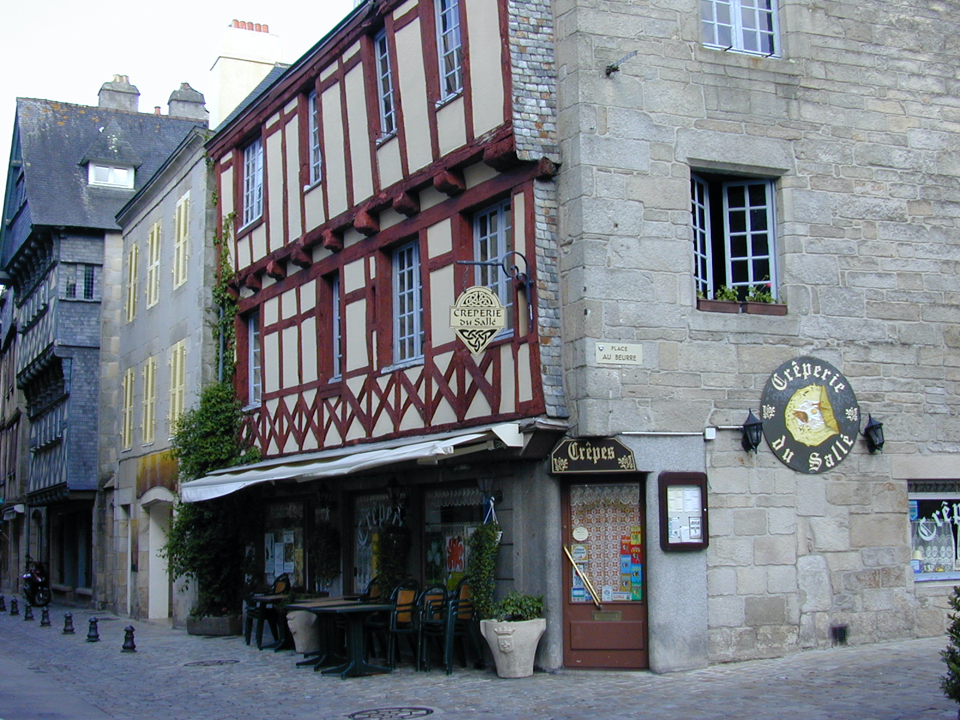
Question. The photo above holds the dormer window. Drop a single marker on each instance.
(110, 176)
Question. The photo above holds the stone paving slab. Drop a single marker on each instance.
(175, 676)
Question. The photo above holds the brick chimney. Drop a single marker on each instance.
(248, 51)
(119, 94)
(187, 103)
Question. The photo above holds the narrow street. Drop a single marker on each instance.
(47, 675)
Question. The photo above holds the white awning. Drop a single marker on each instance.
(343, 461)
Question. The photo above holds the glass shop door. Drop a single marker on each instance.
(605, 608)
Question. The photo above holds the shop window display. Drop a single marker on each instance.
(283, 543)
(451, 517)
(934, 530)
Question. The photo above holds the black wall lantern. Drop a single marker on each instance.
(752, 433)
(873, 432)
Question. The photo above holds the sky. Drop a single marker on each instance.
(66, 49)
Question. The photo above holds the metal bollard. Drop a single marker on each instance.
(68, 624)
(128, 644)
(44, 617)
(28, 612)
(3, 604)
(92, 634)
(14, 610)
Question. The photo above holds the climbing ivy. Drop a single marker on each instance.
(224, 299)
(208, 540)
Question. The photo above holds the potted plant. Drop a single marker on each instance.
(760, 301)
(515, 633)
(207, 542)
(725, 300)
(483, 547)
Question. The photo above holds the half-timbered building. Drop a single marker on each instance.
(403, 161)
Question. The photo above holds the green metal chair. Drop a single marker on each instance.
(262, 612)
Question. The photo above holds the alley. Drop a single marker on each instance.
(47, 675)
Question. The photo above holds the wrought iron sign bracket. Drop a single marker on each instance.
(513, 273)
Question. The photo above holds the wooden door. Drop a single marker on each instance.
(603, 531)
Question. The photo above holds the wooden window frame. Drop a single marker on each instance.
(149, 422)
(407, 298)
(739, 253)
(385, 86)
(743, 26)
(449, 47)
(313, 139)
(132, 280)
(152, 289)
(252, 182)
(181, 250)
(126, 410)
(178, 363)
(254, 360)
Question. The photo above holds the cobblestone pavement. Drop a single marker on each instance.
(47, 675)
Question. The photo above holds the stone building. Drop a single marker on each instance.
(811, 151)
(13, 450)
(166, 355)
(72, 167)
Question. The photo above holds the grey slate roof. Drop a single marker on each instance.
(58, 138)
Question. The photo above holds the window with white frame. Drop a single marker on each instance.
(178, 382)
(492, 241)
(749, 26)
(130, 299)
(116, 176)
(126, 410)
(934, 529)
(149, 427)
(181, 237)
(336, 331)
(734, 239)
(152, 289)
(316, 158)
(448, 48)
(388, 118)
(254, 360)
(252, 181)
(407, 304)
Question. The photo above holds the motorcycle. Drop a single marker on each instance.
(36, 584)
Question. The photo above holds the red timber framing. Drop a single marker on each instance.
(310, 234)
(359, 404)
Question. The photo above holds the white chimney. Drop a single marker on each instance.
(248, 51)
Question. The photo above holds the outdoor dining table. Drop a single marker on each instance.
(354, 613)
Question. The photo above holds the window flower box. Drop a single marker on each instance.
(762, 308)
(722, 306)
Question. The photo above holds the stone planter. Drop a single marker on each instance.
(513, 644)
(217, 626)
(759, 308)
(722, 306)
(305, 630)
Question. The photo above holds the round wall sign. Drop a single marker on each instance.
(810, 415)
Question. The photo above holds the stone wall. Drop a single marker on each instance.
(857, 123)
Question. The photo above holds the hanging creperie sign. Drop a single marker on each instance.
(578, 455)
(810, 415)
(477, 317)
